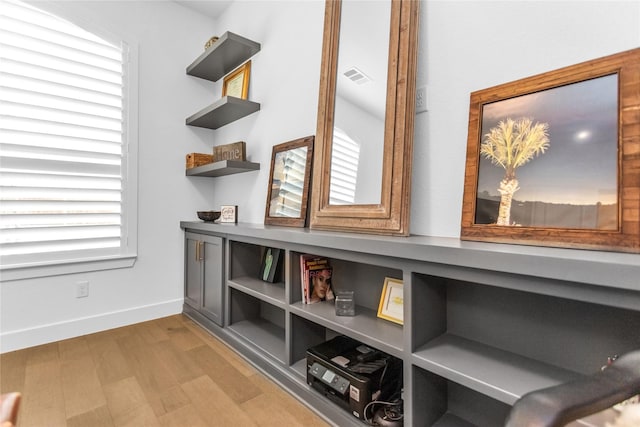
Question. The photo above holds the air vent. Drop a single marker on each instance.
(357, 76)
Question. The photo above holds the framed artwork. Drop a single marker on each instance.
(288, 192)
(552, 160)
(229, 214)
(391, 305)
(270, 265)
(237, 82)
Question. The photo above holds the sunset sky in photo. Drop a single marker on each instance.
(580, 166)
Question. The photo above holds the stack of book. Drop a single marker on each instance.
(315, 279)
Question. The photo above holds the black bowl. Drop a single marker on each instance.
(208, 216)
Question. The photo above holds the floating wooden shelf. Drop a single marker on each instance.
(222, 168)
(230, 51)
(224, 111)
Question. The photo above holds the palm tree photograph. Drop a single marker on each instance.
(550, 158)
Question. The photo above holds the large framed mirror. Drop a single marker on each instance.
(366, 111)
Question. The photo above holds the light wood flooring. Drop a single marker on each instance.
(166, 372)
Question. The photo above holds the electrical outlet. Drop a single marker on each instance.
(421, 99)
(82, 289)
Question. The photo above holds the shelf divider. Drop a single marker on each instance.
(365, 326)
(497, 373)
(273, 293)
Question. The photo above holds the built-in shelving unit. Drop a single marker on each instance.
(484, 324)
(222, 168)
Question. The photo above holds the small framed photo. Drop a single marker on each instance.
(237, 83)
(229, 213)
(288, 192)
(391, 305)
(270, 265)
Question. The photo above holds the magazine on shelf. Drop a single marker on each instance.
(320, 284)
(310, 263)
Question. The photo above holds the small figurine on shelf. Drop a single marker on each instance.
(210, 42)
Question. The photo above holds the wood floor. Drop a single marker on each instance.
(166, 372)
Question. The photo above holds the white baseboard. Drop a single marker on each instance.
(17, 340)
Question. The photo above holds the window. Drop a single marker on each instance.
(67, 157)
(345, 155)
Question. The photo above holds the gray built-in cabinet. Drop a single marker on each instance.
(483, 324)
(203, 275)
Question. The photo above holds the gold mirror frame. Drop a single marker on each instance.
(391, 215)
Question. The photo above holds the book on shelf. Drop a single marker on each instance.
(270, 265)
(315, 270)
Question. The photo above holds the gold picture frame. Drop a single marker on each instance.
(288, 192)
(236, 83)
(579, 186)
(391, 305)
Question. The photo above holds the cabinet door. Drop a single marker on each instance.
(192, 271)
(212, 276)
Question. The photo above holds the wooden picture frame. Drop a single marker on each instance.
(236, 83)
(391, 306)
(288, 193)
(561, 150)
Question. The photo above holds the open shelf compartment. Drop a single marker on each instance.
(437, 401)
(259, 323)
(367, 282)
(505, 343)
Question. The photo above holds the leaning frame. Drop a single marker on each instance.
(625, 237)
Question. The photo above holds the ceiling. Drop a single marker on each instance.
(210, 8)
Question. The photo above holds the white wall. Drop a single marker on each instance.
(464, 46)
(285, 78)
(471, 45)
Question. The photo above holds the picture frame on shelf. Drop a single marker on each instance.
(288, 192)
(236, 83)
(270, 265)
(229, 214)
(391, 305)
(550, 158)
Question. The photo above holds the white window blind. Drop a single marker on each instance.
(345, 156)
(62, 140)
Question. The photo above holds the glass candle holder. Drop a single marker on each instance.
(345, 304)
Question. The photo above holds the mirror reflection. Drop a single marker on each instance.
(287, 185)
(361, 91)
